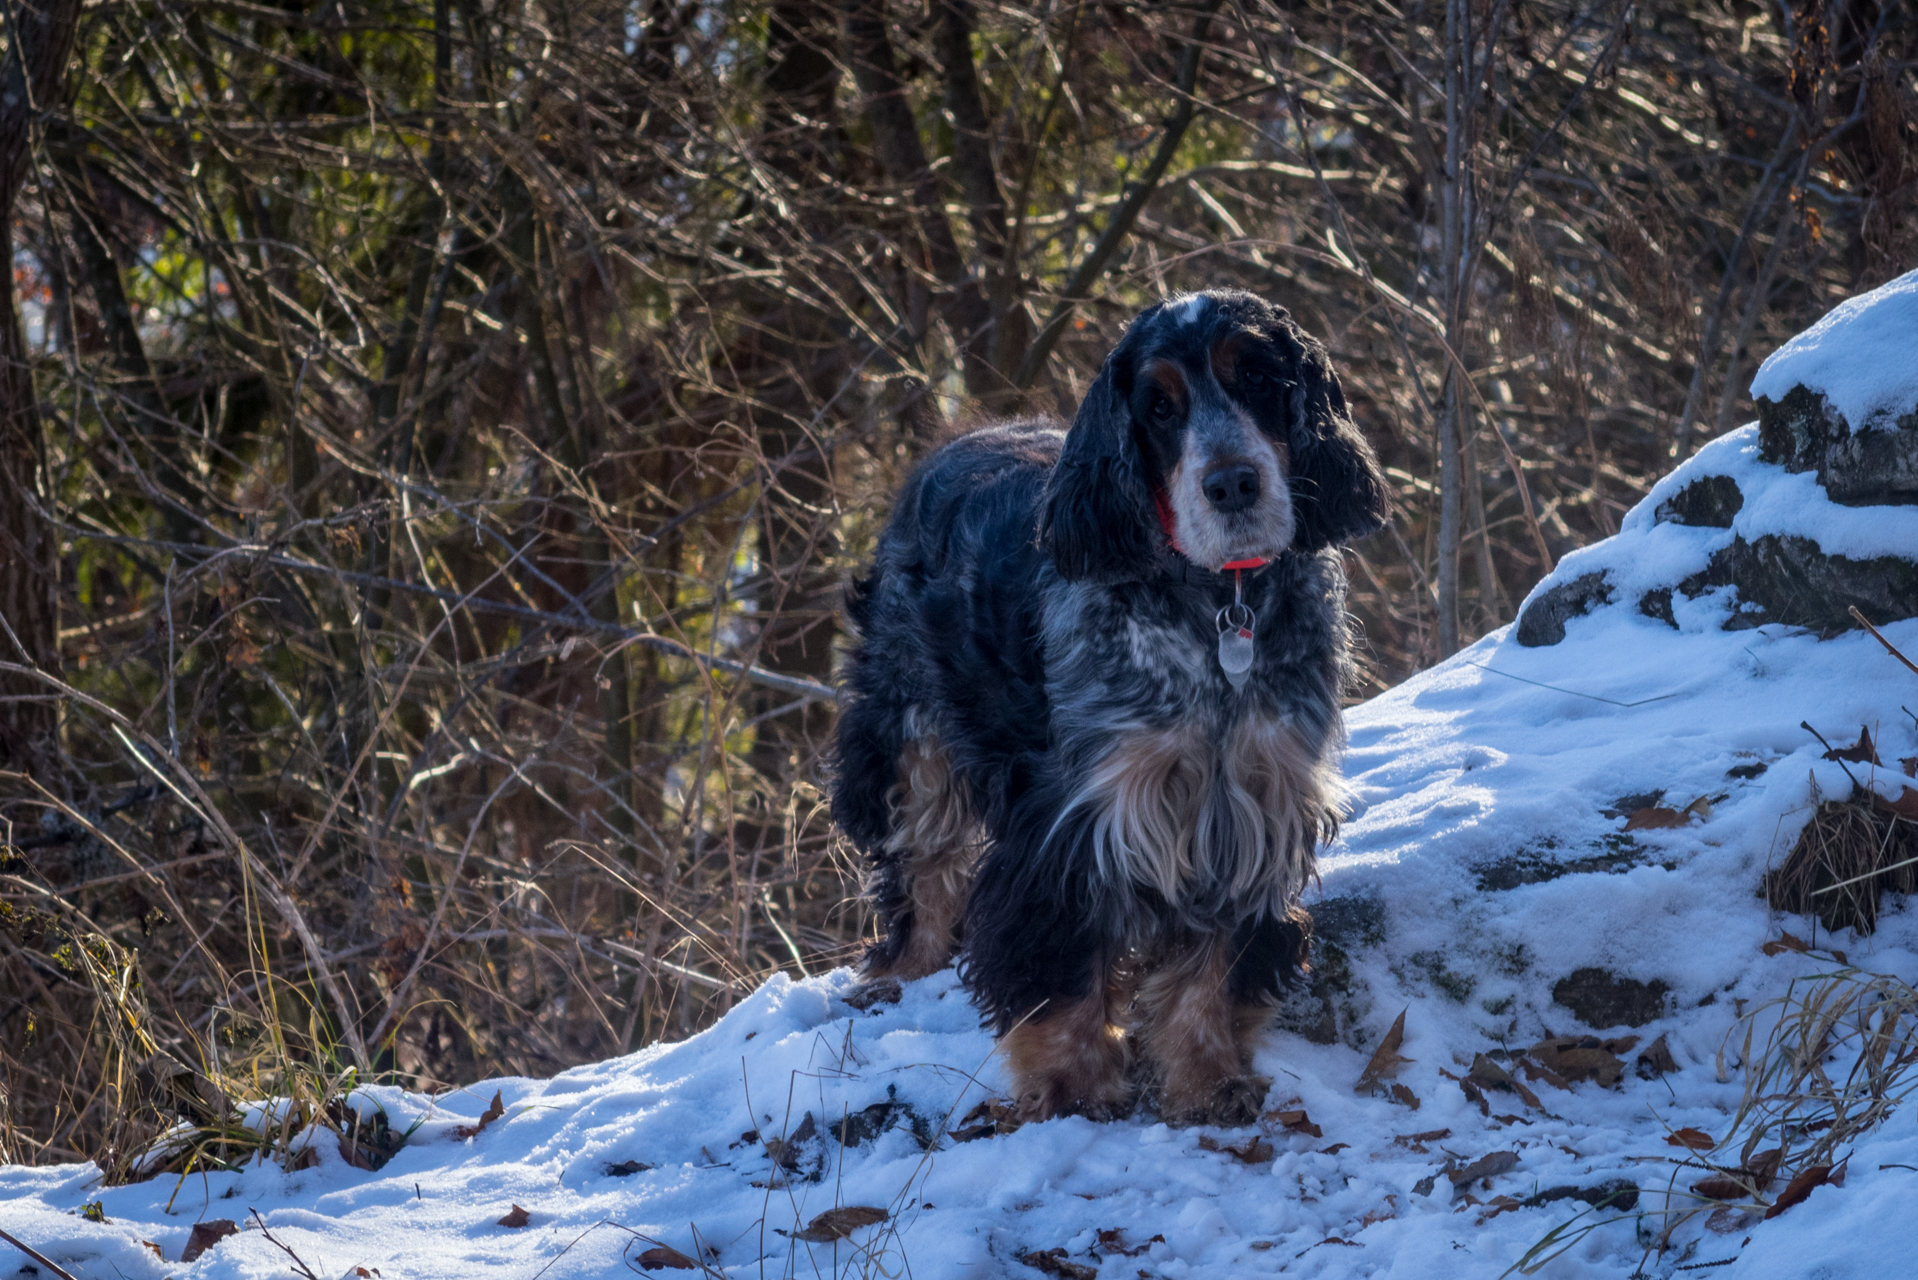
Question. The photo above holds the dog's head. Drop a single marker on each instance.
(1219, 419)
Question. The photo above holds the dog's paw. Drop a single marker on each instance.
(1042, 1100)
(1231, 1103)
(874, 991)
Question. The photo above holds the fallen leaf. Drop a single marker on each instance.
(1910, 765)
(1726, 1220)
(837, 1224)
(1500, 1204)
(1691, 1139)
(207, 1234)
(156, 1249)
(1807, 1180)
(1616, 1193)
(1487, 1074)
(1655, 818)
(1055, 1263)
(660, 1257)
(989, 1119)
(1656, 1060)
(1488, 1166)
(627, 1168)
(1112, 1240)
(1905, 806)
(1860, 752)
(1386, 1060)
(515, 1217)
(1405, 1097)
(1700, 808)
(1334, 1149)
(1295, 1120)
(492, 1113)
(1785, 942)
(1254, 1150)
(1384, 1213)
(1416, 1141)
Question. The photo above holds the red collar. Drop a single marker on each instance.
(1170, 525)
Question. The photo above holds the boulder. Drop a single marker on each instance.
(1838, 403)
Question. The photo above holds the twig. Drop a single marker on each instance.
(1877, 635)
(298, 1265)
(39, 1258)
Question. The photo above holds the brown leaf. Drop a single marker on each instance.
(1254, 1150)
(1112, 1240)
(1487, 1074)
(1656, 1060)
(1721, 1186)
(156, 1249)
(1726, 1220)
(1910, 765)
(1334, 1149)
(1860, 752)
(1500, 1204)
(1386, 1060)
(1691, 1139)
(1807, 1180)
(1384, 1213)
(1488, 1166)
(1405, 1097)
(1294, 1120)
(492, 1113)
(1054, 1263)
(1785, 942)
(663, 1256)
(1905, 806)
(1577, 1058)
(837, 1224)
(207, 1234)
(1416, 1141)
(515, 1217)
(1655, 818)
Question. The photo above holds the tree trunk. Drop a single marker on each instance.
(39, 38)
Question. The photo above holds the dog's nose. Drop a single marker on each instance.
(1232, 487)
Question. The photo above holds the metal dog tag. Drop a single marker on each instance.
(1236, 644)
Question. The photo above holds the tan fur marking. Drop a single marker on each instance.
(1169, 378)
(1161, 818)
(937, 839)
(1197, 1041)
(1072, 1062)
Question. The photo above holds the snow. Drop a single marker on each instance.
(1494, 768)
(1863, 356)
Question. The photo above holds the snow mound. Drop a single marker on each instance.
(1862, 356)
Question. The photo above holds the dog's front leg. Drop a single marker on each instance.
(1196, 1037)
(1070, 1059)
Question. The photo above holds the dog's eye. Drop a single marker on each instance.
(1161, 408)
(1254, 379)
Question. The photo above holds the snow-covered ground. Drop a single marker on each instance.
(1485, 863)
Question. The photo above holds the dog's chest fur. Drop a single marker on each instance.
(1208, 799)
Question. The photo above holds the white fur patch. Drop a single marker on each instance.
(1210, 538)
(1191, 309)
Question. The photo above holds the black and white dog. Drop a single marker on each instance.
(1088, 737)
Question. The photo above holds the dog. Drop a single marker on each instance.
(1088, 734)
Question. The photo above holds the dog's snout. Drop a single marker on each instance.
(1232, 487)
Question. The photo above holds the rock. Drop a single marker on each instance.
(1708, 502)
(1543, 621)
(1858, 466)
(1791, 581)
(1602, 999)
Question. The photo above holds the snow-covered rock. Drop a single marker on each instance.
(1796, 519)
(1841, 398)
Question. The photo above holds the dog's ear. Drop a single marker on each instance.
(1098, 520)
(1338, 490)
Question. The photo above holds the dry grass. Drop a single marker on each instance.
(1846, 859)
